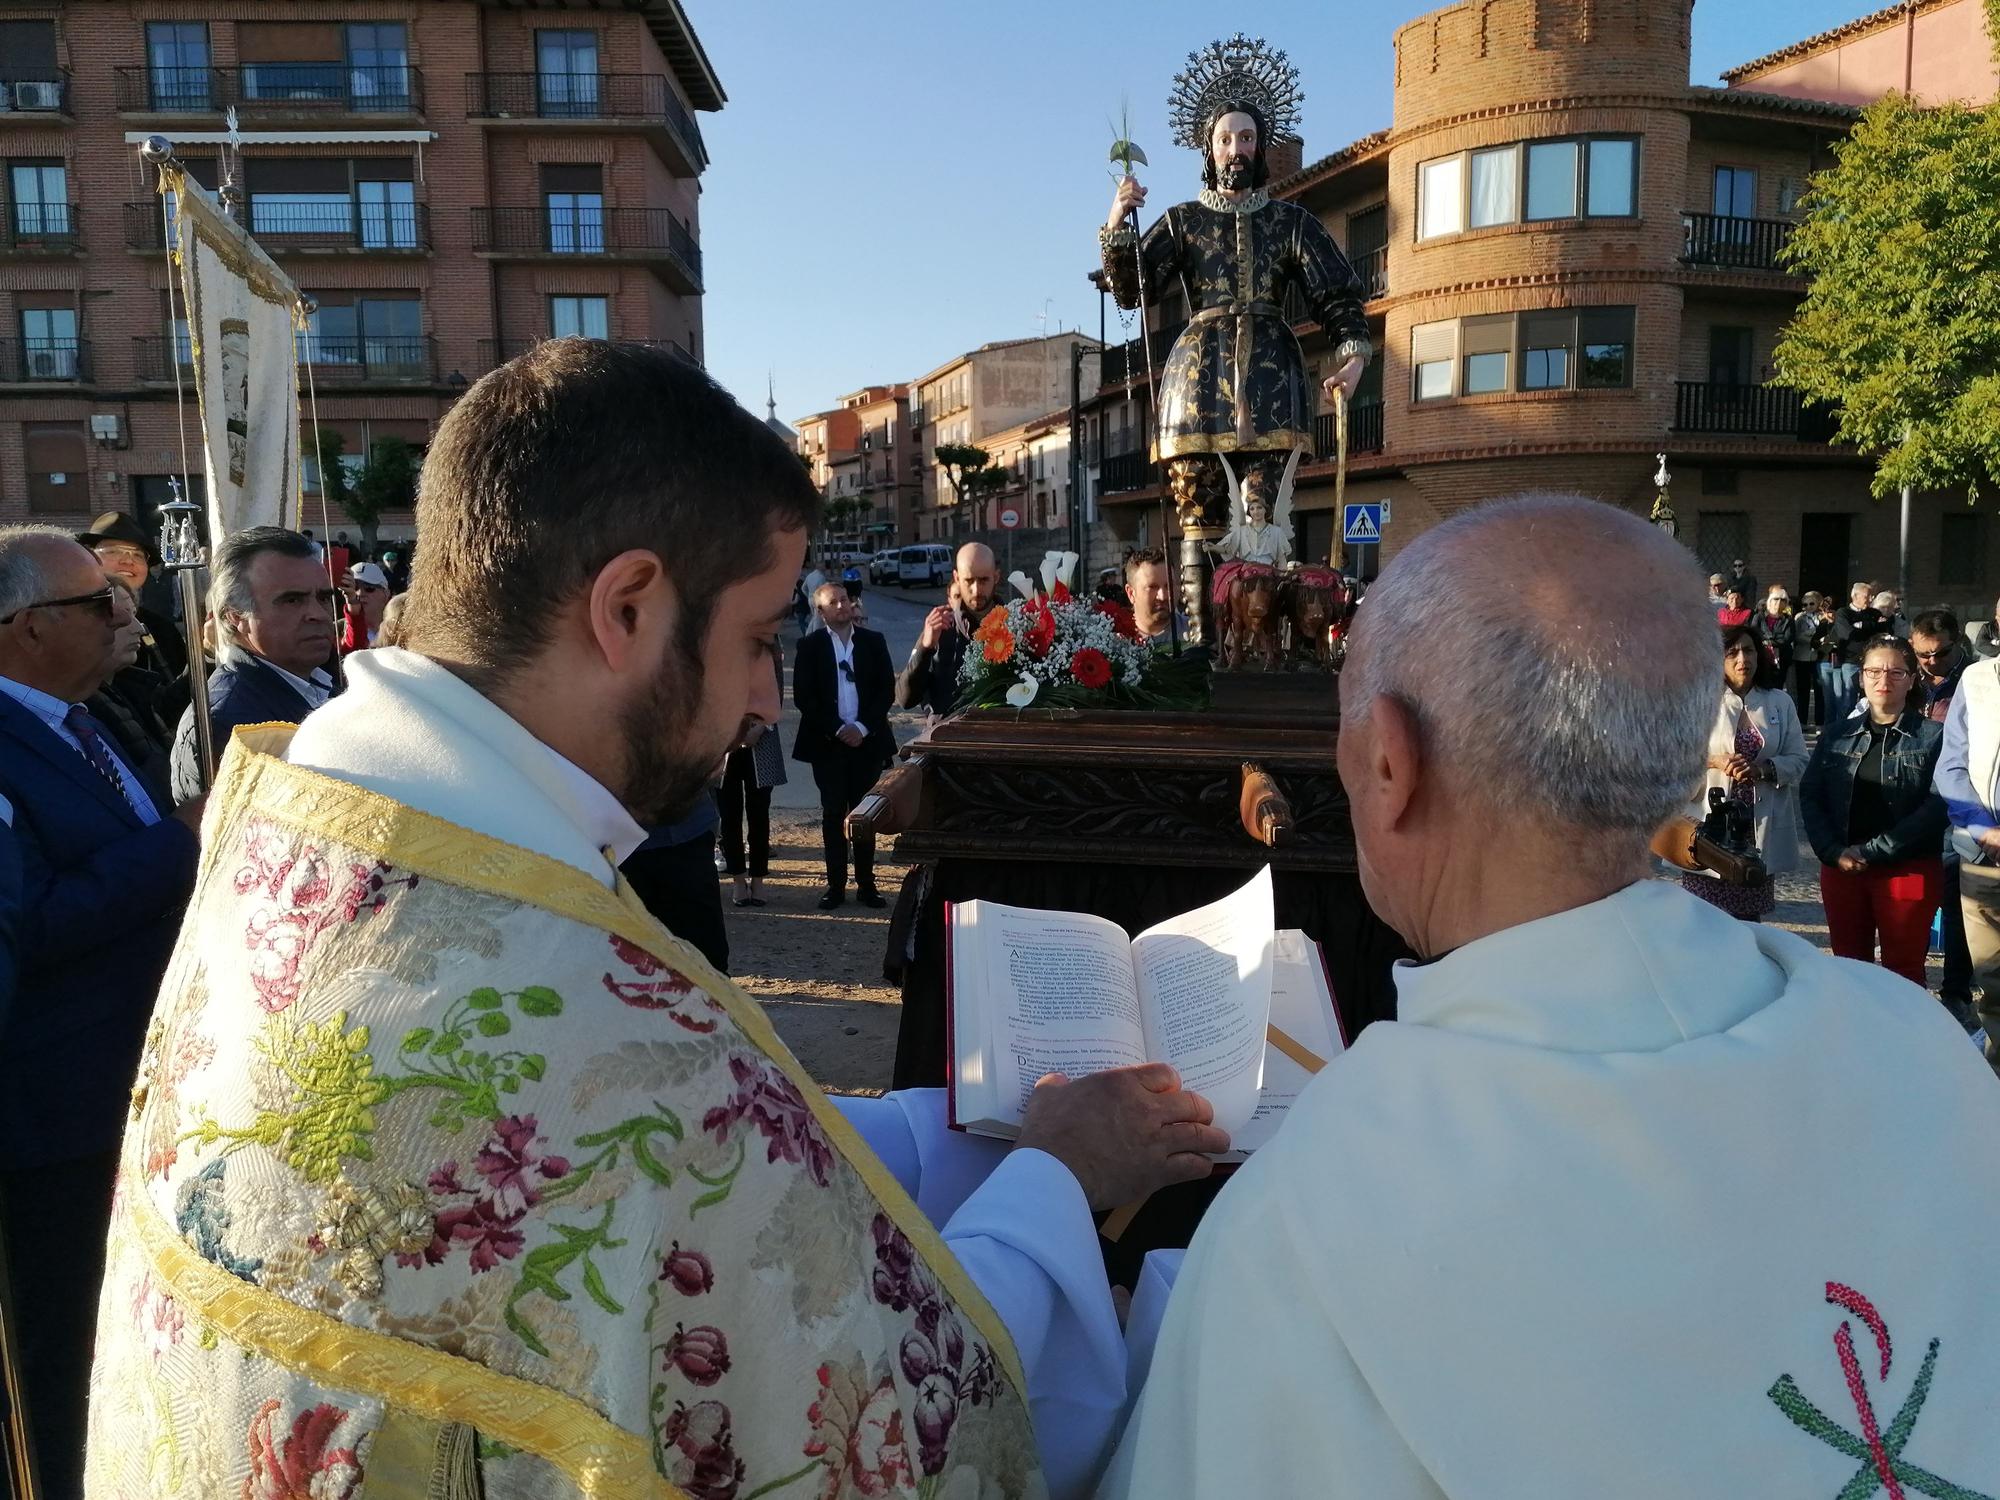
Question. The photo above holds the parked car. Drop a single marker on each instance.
(928, 564)
(885, 566)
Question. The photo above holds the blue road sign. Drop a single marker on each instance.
(1361, 523)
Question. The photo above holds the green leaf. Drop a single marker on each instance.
(539, 1000)
(447, 1043)
(594, 1284)
(509, 1084)
(494, 1023)
(532, 1067)
(484, 999)
(417, 1040)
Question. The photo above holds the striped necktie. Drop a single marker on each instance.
(79, 723)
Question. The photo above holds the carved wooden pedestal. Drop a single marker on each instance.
(1133, 817)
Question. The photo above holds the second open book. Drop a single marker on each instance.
(1244, 1012)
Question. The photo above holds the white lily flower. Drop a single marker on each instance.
(1049, 563)
(1067, 570)
(1022, 693)
(1022, 582)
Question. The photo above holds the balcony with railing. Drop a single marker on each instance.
(149, 359)
(643, 101)
(352, 227)
(1364, 431)
(1730, 410)
(38, 361)
(1128, 360)
(1372, 266)
(1133, 470)
(1718, 242)
(28, 95)
(652, 235)
(916, 417)
(405, 360)
(39, 229)
(312, 88)
(494, 353)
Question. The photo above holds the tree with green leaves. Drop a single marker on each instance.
(1901, 326)
(388, 481)
(970, 472)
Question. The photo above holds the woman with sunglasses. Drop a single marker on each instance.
(1756, 754)
(1874, 821)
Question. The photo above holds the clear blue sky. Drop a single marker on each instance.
(894, 182)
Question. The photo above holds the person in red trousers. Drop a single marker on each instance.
(1875, 822)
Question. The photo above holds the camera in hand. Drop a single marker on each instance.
(1726, 841)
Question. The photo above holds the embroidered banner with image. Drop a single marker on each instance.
(241, 313)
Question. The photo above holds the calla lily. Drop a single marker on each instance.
(1066, 570)
(1049, 564)
(1022, 693)
(1023, 583)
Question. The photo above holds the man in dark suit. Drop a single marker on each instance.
(842, 683)
(106, 870)
(931, 678)
(274, 612)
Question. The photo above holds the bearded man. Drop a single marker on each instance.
(1234, 388)
(451, 1172)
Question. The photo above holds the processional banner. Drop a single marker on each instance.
(241, 312)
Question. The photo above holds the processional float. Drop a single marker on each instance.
(1138, 790)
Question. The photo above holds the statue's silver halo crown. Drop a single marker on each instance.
(1242, 70)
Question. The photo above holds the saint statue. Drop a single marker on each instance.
(1258, 539)
(1234, 403)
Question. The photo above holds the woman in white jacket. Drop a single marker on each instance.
(1757, 754)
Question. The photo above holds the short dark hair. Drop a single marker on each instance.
(1938, 624)
(229, 567)
(563, 458)
(1895, 643)
(1260, 168)
(1142, 557)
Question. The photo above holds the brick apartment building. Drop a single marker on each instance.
(451, 181)
(1570, 256)
(862, 451)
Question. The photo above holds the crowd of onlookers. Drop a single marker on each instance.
(1899, 797)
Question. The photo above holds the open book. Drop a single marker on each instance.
(1246, 1014)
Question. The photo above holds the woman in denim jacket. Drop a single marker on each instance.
(1874, 821)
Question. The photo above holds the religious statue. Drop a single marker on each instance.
(1234, 408)
(1258, 539)
(1663, 510)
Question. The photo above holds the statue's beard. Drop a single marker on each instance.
(1235, 175)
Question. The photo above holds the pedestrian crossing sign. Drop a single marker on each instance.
(1361, 524)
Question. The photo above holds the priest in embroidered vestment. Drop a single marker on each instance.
(1631, 1200)
(451, 1172)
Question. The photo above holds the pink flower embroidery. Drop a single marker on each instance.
(303, 1466)
(307, 895)
(158, 1317)
(774, 1104)
(701, 1457)
(510, 1172)
(689, 1271)
(658, 987)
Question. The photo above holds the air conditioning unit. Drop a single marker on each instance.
(42, 95)
(51, 364)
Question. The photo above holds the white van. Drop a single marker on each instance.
(929, 564)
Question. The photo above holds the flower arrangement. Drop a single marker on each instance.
(1049, 649)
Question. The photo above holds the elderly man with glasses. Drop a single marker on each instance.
(107, 866)
(125, 552)
(274, 610)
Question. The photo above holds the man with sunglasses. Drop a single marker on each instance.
(107, 867)
(842, 682)
(274, 613)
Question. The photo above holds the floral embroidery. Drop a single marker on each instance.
(201, 1215)
(310, 898)
(1878, 1449)
(659, 987)
(156, 1095)
(157, 1316)
(688, 1270)
(331, 1107)
(305, 1466)
(700, 1353)
(510, 1173)
(933, 1353)
(773, 1102)
(471, 1080)
(858, 1434)
(700, 1452)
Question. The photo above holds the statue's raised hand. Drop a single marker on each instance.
(1345, 380)
(1128, 200)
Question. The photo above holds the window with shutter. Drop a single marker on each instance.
(1486, 345)
(1547, 341)
(1433, 353)
(57, 456)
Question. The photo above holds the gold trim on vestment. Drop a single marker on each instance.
(595, 1454)
(1283, 441)
(253, 774)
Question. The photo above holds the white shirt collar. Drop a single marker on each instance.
(315, 689)
(410, 730)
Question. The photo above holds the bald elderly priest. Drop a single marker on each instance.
(1632, 1200)
(452, 1172)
